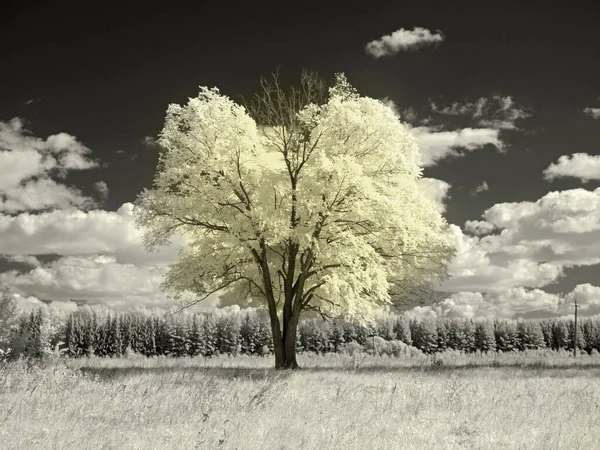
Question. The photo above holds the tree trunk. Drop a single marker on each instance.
(278, 348)
(290, 343)
(285, 348)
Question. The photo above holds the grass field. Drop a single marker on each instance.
(539, 400)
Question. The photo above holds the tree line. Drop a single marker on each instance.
(110, 334)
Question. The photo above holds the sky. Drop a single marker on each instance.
(504, 101)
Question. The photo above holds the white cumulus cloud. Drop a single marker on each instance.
(476, 268)
(73, 232)
(436, 190)
(403, 40)
(511, 303)
(578, 165)
(593, 112)
(586, 295)
(97, 280)
(437, 145)
(534, 243)
(28, 165)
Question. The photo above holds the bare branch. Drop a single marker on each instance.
(207, 294)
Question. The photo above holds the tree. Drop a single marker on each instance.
(402, 330)
(485, 341)
(336, 336)
(210, 335)
(591, 335)
(546, 327)
(178, 344)
(114, 339)
(314, 336)
(469, 335)
(197, 338)
(306, 200)
(506, 336)
(228, 333)
(385, 328)
(442, 333)
(9, 317)
(75, 335)
(560, 335)
(530, 335)
(424, 335)
(456, 335)
(571, 336)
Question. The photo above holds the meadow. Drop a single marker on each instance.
(527, 400)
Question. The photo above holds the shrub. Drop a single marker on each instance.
(376, 345)
(351, 348)
(399, 349)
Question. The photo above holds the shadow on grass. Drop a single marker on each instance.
(258, 374)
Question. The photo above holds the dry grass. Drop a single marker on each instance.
(535, 401)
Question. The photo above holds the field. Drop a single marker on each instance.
(535, 400)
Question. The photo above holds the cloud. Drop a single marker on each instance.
(535, 242)
(436, 145)
(481, 188)
(100, 259)
(593, 112)
(556, 215)
(405, 115)
(578, 165)
(29, 303)
(102, 188)
(391, 104)
(35, 100)
(436, 189)
(491, 116)
(458, 109)
(496, 112)
(512, 303)
(72, 232)
(29, 260)
(27, 164)
(586, 295)
(478, 227)
(409, 115)
(96, 279)
(151, 142)
(476, 268)
(42, 194)
(402, 40)
(531, 245)
(129, 157)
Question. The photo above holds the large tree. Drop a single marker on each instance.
(306, 199)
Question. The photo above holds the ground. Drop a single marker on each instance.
(539, 400)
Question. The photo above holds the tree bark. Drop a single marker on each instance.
(285, 347)
(290, 343)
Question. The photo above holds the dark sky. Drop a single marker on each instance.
(105, 74)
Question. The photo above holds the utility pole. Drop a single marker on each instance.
(575, 331)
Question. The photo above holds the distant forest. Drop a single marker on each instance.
(102, 333)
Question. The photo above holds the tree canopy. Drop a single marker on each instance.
(304, 200)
